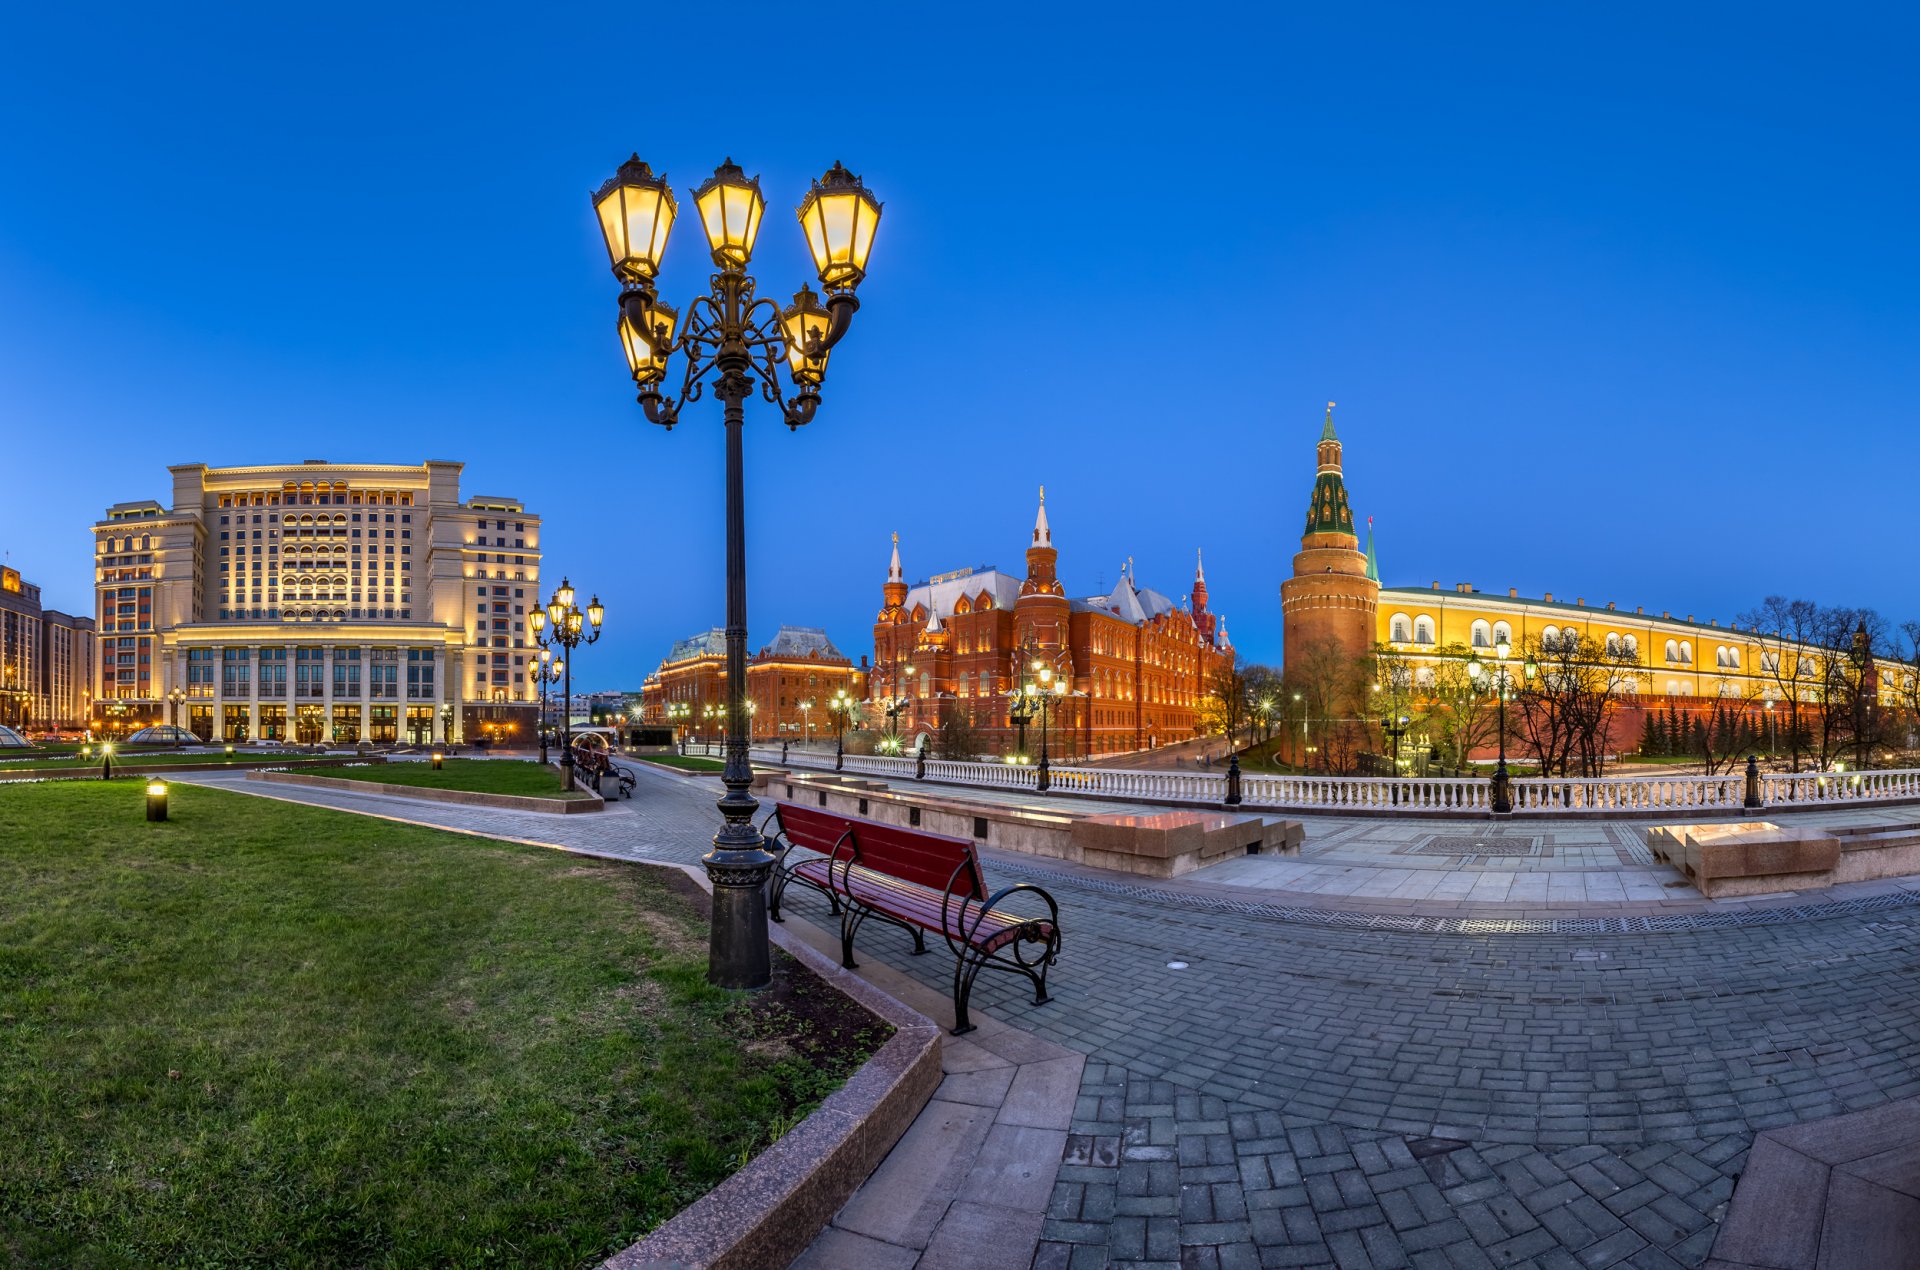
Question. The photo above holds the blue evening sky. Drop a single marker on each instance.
(1617, 301)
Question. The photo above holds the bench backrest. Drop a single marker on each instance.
(814, 828)
(912, 855)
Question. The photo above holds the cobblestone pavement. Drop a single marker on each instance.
(1303, 1094)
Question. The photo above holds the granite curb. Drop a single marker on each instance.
(461, 797)
(771, 1210)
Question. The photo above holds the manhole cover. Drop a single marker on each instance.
(1480, 844)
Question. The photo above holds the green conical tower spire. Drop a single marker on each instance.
(1329, 513)
(1373, 564)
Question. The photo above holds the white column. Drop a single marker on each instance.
(326, 694)
(439, 695)
(253, 692)
(456, 690)
(366, 691)
(219, 693)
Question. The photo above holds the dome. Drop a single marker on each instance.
(163, 734)
(9, 739)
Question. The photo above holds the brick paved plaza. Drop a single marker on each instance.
(1336, 1091)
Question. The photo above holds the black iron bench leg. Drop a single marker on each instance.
(962, 992)
(850, 926)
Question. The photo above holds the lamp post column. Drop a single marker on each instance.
(566, 722)
(1045, 781)
(739, 863)
(1502, 803)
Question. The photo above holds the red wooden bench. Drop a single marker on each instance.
(919, 882)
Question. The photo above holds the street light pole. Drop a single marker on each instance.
(731, 336)
(570, 630)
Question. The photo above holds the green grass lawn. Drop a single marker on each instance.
(487, 775)
(686, 762)
(157, 758)
(267, 1034)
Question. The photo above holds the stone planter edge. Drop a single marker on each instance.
(769, 1212)
(461, 797)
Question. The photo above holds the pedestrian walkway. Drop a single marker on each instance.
(1266, 1085)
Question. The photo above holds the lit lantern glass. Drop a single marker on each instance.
(595, 611)
(839, 217)
(564, 596)
(636, 210)
(803, 320)
(730, 209)
(647, 355)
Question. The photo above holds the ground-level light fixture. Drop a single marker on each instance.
(438, 759)
(156, 799)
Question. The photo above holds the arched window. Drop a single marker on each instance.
(1673, 651)
(1673, 687)
(1502, 633)
(1423, 630)
(1686, 651)
(1733, 658)
(1632, 646)
(1423, 677)
(1400, 630)
(1720, 657)
(1613, 644)
(1482, 634)
(1550, 639)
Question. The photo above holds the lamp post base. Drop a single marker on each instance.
(1501, 803)
(738, 955)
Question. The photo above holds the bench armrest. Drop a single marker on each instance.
(971, 932)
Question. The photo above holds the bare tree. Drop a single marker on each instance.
(1224, 709)
(1327, 680)
(1566, 709)
(1461, 714)
(1786, 631)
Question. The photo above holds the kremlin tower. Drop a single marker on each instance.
(1333, 593)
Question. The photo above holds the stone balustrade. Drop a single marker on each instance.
(1423, 796)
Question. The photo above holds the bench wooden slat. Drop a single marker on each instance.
(920, 882)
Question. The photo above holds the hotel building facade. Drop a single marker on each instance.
(1137, 664)
(1334, 596)
(317, 602)
(789, 683)
(46, 661)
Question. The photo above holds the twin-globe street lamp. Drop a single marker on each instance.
(570, 630)
(544, 671)
(840, 708)
(1502, 682)
(729, 335)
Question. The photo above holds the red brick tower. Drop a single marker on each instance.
(1329, 597)
(1041, 611)
(1201, 618)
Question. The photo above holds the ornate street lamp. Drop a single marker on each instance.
(571, 628)
(841, 709)
(728, 335)
(806, 724)
(1501, 803)
(544, 671)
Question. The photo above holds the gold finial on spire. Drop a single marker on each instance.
(1043, 496)
(896, 537)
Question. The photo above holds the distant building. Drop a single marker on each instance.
(46, 660)
(789, 683)
(1334, 599)
(318, 601)
(1137, 664)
